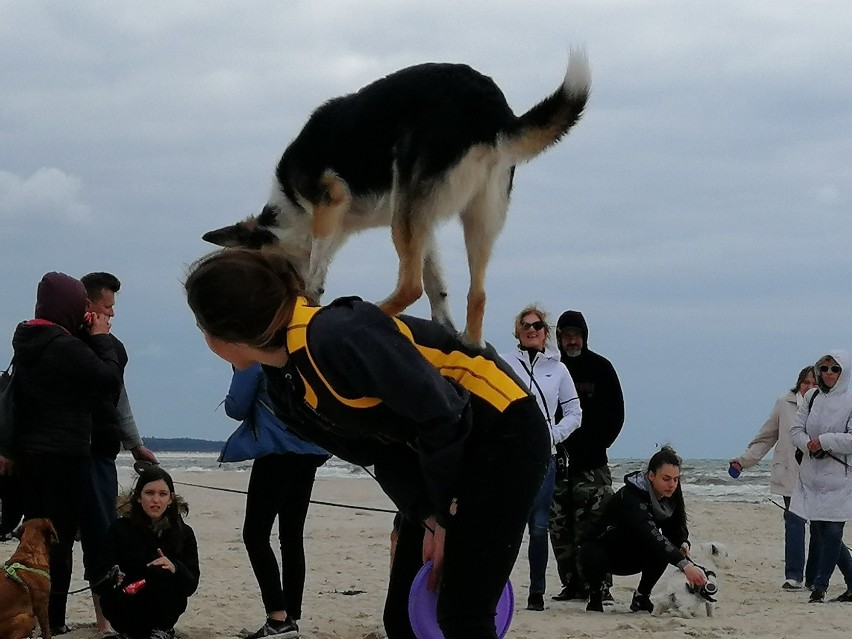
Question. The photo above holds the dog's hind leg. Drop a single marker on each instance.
(435, 287)
(482, 220)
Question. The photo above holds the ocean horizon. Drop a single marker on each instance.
(702, 479)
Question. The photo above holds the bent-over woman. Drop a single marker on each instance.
(456, 440)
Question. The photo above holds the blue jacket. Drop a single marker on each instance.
(248, 388)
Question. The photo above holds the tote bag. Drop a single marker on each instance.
(260, 434)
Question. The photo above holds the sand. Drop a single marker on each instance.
(347, 554)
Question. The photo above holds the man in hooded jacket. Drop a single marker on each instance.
(584, 484)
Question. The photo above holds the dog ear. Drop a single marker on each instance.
(246, 234)
(713, 549)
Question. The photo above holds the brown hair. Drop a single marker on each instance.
(535, 310)
(244, 295)
(807, 370)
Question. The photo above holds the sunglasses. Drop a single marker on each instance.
(535, 325)
(833, 369)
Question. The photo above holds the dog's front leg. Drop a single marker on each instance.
(436, 289)
(410, 239)
(322, 252)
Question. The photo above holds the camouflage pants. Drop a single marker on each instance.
(578, 503)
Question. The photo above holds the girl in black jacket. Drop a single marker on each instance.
(157, 557)
(643, 529)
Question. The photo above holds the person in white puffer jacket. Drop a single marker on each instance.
(538, 365)
(823, 493)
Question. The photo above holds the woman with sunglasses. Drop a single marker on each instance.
(455, 439)
(538, 365)
(823, 493)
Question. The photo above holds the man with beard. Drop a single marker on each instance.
(584, 484)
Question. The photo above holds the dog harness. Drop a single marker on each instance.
(12, 573)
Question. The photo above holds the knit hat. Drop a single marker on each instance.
(61, 299)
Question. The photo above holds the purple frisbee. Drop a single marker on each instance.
(423, 608)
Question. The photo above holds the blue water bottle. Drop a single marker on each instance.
(733, 471)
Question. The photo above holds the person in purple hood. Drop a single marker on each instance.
(59, 379)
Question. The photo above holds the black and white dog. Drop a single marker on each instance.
(677, 598)
(408, 151)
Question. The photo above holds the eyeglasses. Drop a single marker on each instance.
(833, 369)
(538, 325)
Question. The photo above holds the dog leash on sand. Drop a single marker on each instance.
(313, 501)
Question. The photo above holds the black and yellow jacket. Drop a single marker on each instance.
(401, 394)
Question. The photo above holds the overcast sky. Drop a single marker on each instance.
(698, 215)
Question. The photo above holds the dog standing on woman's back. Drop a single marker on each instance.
(409, 150)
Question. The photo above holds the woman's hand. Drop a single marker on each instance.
(99, 324)
(163, 562)
(814, 445)
(694, 575)
(433, 548)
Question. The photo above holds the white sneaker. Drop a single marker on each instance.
(792, 584)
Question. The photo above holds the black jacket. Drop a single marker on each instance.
(630, 520)
(58, 380)
(132, 546)
(603, 408)
(401, 394)
(106, 434)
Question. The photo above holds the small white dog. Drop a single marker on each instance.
(678, 598)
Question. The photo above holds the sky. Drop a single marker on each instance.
(698, 215)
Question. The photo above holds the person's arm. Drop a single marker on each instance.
(568, 400)
(242, 392)
(765, 439)
(839, 443)
(187, 571)
(607, 411)
(649, 538)
(92, 365)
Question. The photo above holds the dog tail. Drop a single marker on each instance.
(549, 120)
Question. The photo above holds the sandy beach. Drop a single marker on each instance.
(347, 554)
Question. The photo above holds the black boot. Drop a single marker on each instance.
(641, 603)
(572, 591)
(595, 600)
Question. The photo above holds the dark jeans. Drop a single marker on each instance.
(505, 462)
(54, 487)
(158, 605)
(794, 548)
(538, 549)
(279, 486)
(97, 513)
(598, 559)
(827, 540)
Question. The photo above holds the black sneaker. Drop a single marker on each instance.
(572, 592)
(287, 629)
(606, 597)
(817, 596)
(846, 597)
(641, 603)
(595, 603)
(535, 601)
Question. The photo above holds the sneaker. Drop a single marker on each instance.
(846, 597)
(606, 597)
(791, 584)
(595, 603)
(641, 603)
(287, 629)
(817, 596)
(571, 592)
(535, 601)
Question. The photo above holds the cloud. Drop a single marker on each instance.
(48, 194)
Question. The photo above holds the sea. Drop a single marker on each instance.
(702, 479)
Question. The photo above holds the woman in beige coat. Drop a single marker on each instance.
(775, 432)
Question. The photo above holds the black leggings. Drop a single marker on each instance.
(280, 485)
(505, 463)
(597, 559)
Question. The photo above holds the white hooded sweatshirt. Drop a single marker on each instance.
(824, 489)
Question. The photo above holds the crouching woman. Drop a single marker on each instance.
(642, 530)
(157, 557)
